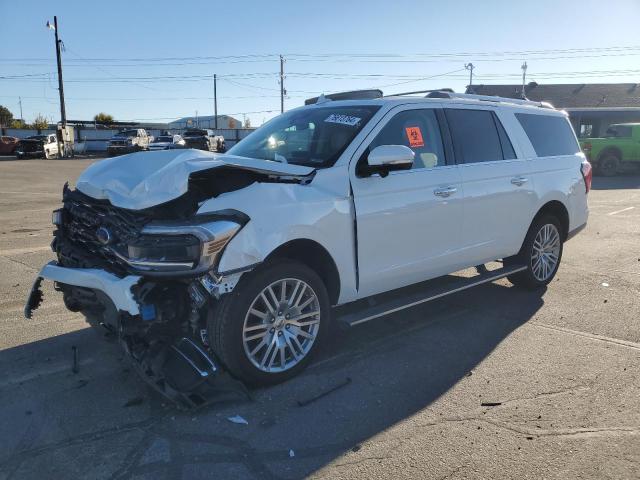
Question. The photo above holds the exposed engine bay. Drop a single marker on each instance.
(138, 257)
(167, 338)
(174, 289)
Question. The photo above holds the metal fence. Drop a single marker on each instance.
(94, 140)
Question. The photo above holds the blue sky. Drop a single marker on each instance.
(119, 54)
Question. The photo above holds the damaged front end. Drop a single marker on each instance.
(149, 281)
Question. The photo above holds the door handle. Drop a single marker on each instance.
(445, 191)
(519, 181)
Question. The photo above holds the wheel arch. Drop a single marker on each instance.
(558, 210)
(316, 257)
(611, 150)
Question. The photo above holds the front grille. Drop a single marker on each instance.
(118, 143)
(77, 240)
(197, 142)
(32, 147)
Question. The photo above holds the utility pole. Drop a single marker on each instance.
(215, 102)
(470, 67)
(20, 102)
(63, 113)
(283, 92)
(524, 76)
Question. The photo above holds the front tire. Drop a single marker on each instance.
(541, 252)
(269, 327)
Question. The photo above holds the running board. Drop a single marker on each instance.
(417, 294)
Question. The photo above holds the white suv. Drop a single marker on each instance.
(240, 260)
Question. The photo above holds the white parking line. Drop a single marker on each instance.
(43, 372)
(18, 251)
(620, 211)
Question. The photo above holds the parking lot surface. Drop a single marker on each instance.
(494, 382)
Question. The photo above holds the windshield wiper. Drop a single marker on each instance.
(280, 158)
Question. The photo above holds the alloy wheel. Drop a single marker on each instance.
(281, 325)
(545, 252)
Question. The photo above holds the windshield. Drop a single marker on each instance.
(314, 136)
(127, 133)
(164, 139)
(195, 133)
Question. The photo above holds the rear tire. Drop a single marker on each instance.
(541, 252)
(608, 165)
(266, 333)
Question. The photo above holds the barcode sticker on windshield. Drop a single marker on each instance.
(343, 119)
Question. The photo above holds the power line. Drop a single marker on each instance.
(300, 56)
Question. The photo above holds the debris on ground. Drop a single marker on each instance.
(74, 367)
(292, 453)
(134, 402)
(305, 402)
(605, 284)
(490, 404)
(238, 419)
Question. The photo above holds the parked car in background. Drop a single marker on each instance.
(241, 261)
(45, 146)
(128, 141)
(204, 139)
(8, 145)
(618, 150)
(167, 142)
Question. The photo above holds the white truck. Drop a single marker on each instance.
(240, 262)
(45, 146)
(128, 141)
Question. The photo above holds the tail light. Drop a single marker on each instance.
(587, 174)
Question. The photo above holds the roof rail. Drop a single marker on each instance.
(489, 98)
(443, 90)
(351, 95)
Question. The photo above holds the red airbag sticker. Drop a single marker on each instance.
(415, 137)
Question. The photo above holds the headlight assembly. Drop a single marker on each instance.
(179, 247)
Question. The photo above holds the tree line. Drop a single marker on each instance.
(8, 120)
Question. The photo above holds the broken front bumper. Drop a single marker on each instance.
(173, 362)
(117, 289)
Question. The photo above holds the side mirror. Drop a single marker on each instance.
(387, 158)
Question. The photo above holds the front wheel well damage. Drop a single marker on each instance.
(316, 257)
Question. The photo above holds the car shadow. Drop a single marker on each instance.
(103, 422)
(619, 182)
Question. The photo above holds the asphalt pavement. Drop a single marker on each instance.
(494, 382)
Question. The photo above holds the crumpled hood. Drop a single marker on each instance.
(144, 179)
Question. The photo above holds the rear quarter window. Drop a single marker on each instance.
(550, 135)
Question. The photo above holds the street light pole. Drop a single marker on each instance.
(470, 67)
(524, 79)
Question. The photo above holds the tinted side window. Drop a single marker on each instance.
(507, 148)
(475, 136)
(418, 130)
(621, 131)
(549, 135)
